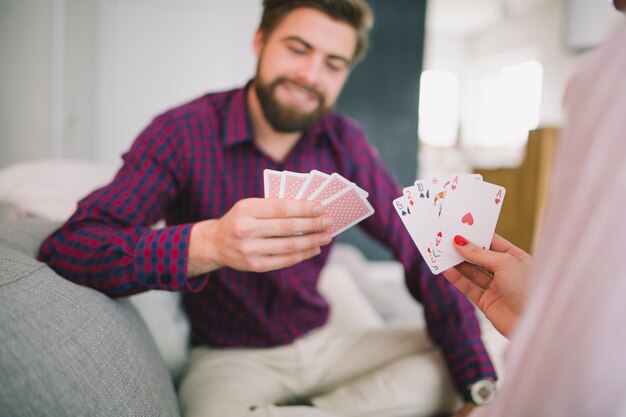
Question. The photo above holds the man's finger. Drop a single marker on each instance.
(287, 245)
(276, 208)
(292, 226)
(270, 263)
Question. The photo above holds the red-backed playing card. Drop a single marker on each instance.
(347, 208)
(271, 183)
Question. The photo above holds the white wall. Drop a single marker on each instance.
(77, 83)
(80, 78)
(154, 54)
(445, 52)
(25, 79)
(588, 22)
(536, 35)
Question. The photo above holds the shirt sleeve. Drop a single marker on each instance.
(109, 244)
(450, 317)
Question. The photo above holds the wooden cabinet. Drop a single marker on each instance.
(527, 189)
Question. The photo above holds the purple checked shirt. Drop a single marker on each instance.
(195, 162)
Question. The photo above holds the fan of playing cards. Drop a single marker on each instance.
(436, 209)
(345, 202)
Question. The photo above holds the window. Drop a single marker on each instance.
(508, 106)
(438, 108)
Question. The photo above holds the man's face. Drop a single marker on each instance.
(302, 66)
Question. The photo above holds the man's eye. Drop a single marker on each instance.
(298, 51)
(334, 67)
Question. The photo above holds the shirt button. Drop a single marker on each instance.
(150, 280)
(166, 280)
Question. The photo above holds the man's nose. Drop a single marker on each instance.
(310, 70)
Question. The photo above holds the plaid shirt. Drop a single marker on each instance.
(195, 162)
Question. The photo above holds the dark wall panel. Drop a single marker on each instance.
(383, 94)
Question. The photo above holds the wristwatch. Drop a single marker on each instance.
(480, 392)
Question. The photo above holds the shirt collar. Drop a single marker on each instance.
(324, 130)
(239, 124)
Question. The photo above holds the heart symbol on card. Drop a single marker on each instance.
(438, 239)
(468, 219)
(498, 197)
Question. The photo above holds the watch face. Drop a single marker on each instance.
(483, 391)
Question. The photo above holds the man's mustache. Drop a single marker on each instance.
(308, 88)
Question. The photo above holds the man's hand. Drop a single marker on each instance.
(495, 280)
(259, 234)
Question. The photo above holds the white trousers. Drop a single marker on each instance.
(343, 370)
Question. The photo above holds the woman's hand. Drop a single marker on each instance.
(495, 280)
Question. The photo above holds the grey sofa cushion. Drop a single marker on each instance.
(25, 235)
(67, 350)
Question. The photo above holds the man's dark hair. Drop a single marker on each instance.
(356, 13)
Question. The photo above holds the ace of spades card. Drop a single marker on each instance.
(470, 210)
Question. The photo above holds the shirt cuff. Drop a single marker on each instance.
(161, 260)
(472, 365)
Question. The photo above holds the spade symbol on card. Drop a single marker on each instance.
(427, 195)
(468, 219)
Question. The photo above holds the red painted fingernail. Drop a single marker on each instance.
(459, 240)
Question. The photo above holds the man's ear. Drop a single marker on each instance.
(258, 42)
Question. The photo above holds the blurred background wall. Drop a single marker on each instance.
(448, 85)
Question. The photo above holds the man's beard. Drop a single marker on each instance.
(284, 118)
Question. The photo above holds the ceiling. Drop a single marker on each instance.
(463, 17)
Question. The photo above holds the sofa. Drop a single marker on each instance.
(68, 350)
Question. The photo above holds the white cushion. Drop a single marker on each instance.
(349, 308)
(50, 188)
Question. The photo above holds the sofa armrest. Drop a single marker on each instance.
(25, 235)
(161, 311)
(69, 350)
